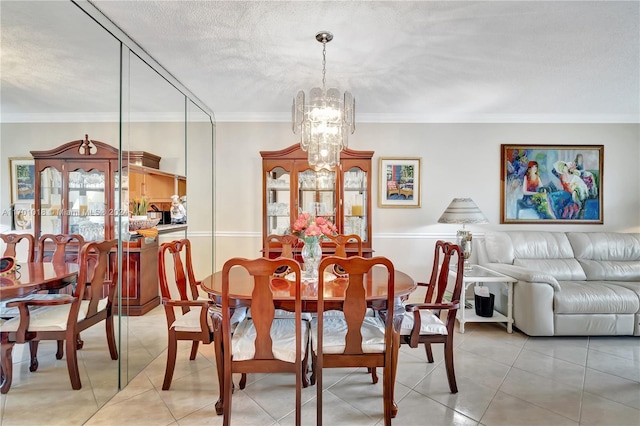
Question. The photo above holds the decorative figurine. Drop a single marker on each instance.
(178, 212)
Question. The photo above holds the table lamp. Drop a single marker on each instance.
(463, 210)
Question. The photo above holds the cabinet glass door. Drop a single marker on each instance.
(87, 204)
(355, 202)
(278, 201)
(317, 193)
(51, 208)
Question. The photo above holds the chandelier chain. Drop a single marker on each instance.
(324, 63)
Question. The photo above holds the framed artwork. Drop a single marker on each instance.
(23, 216)
(399, 182)
(23, 179)
(551, 184)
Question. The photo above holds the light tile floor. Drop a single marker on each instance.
(504, 379)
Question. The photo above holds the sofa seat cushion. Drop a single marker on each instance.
(594, 297)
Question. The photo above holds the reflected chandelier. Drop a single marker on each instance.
(326, 120)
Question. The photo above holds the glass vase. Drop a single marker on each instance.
(311, 255)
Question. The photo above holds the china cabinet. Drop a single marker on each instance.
(343, 195)
(78, 192)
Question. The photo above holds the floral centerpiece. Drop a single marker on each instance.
(311, 230)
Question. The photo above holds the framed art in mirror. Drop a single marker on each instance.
(551, 184)
(399, 182)
(23, 179)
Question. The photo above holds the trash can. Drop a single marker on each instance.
(484, 305)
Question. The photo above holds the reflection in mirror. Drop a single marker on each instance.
(155, 141)
(59, 81)
(200, 209)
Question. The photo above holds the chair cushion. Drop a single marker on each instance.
(283, 336)
(335, 334)
(191, 320)
(14, 312)
(52, 318)
(429, 323)
(281, 313)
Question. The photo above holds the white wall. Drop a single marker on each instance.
(458, 160)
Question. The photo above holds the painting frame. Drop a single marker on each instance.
(22, 219)
(399, 184)
(551, 184)
(23, 179)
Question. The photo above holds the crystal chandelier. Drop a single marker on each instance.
(326, 120)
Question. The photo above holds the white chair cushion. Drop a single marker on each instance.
(51, 318)
(191, 320)
(281, 313)
(14, 312)
(429, 323)
(283, 336)
(335, 334)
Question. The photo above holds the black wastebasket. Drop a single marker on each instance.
(484, 305)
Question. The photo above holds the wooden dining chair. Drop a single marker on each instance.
(11, 249)
(355, 339)
(188, 315)
(261, 343)
(64, 318)
(59, 253)
(12, 240)
(286, 242)
(422, 321)
(341, 241)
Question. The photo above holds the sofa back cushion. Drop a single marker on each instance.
(607, 255)
(544, 251)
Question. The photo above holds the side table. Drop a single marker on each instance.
(476, 276)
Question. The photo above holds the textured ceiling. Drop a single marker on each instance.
(428, 61)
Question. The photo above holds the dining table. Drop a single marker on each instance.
(31, 277)
(284, 297)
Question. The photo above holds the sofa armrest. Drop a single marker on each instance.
(524, 274)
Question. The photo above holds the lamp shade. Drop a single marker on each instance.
(462, 210)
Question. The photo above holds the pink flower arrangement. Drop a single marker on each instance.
(308, 226)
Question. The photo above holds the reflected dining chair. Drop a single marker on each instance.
(12, 240)
(59, 254)
(65, 317)
(11, 249)
(422, 323)
(261, 343)
(355, 339)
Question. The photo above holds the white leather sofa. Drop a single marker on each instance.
(569, 283)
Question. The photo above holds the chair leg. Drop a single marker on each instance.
(6, 365)
(171, 361)
(194, 350)
(387, 394)
(72, 361)
(243, 381)
(60, 351)
(305, 366)
(314, 359)
(427, 349)
(111, 337)
(448, 359)
(374, 374)
(226, 407)
(33, 349)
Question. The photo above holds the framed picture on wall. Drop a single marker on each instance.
(399, 182)
(23, 179)
(551, 184)
(23, 216)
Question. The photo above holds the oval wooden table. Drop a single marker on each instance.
(36, 276)
(284, 297)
